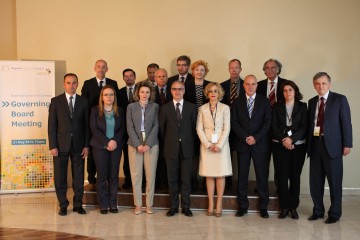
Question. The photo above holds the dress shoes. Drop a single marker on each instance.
(137, 210)
(284, 213)
(114, 210)
(187, 212)
(103, 211)
(79, 210)
(172, 212)
(62, 211)
(92, 187)
(241, 212)
(149, 210)
(294, 214)
(314, 217)
(210, 213)
(264, 213)
(331, 220)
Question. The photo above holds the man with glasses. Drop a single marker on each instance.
(177, 124)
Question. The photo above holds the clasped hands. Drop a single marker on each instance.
(288, 143)
(111, 146)
(143, 148)
(213, 148)
(250, 140)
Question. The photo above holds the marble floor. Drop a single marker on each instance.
(39, 211)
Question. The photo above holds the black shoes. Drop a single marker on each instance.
(114, 210)
(103, 211)
(284, 213)
(187, 212)
(172, 212)
(294, 214)
(314, 217)
(264, 213)
(331, 220)
(79, 210)
(241, 212)
(62, 211)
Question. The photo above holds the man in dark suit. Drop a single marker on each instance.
(163, 96)
(162, 90)
(233, 88)
(125, 97)
(68, 130)
(329, 139)
(177, 128)
(182, 63)
(271, 88)
(150, 71)
(251, 121)
(91, 90)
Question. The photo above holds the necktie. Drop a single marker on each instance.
(233, 92)
(178, 114)
(162, 97)
(272, 97)
(71, 108)
(182, 79)
(101, 84)
(320, 118)
(131, 96)
(250, 106)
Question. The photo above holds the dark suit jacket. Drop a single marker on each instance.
(262, 88)
(299, 119)
(91, 90)
(226, 85)
(170, 132)
(62, 128)
(258, 126)
(337, 124)
(168, 96)
(190, 91)
(98, 129)
(176, 77)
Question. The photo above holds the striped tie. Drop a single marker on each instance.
(272, 96)
(233, 92)
(250, 106)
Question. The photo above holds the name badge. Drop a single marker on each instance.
(214, 138)
(143, 135)
(289, 133)
(316, 131)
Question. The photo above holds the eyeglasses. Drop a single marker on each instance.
(108, 95)
(272, 68)
(213, 91)
(177, 89)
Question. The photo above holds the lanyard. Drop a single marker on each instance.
(213, 115)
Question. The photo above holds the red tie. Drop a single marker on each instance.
(320, 118)
(272, 97)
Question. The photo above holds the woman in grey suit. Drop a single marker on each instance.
(142, 127)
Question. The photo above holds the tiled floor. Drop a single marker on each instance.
(38, 211)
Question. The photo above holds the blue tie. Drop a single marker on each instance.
(250, 106)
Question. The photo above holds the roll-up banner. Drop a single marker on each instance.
(26, 88)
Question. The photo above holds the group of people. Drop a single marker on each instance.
(174, 129)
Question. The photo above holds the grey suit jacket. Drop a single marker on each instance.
(133, 124)
(337, 124)
(62, 129)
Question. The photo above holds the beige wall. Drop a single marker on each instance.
(306, 36)
(8, 30)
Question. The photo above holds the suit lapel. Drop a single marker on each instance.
(328, 104)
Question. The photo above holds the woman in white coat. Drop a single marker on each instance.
(213, 128)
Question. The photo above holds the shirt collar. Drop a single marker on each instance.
(326, 95)
(99, 80)
(275, 80)
(181, 102)
(253, 96)
(68, 96)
